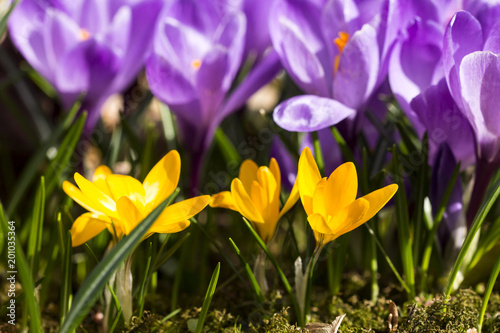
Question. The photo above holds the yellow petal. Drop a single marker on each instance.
(258, 195)
(244, 203)
(350, 217)
(223, 200)
(319, 224)
(121, 185)
(170, 228)
(272, 201)
(307, 177)
(275, 170)
(341, 188)
(318, 201)
(378, 199)
(130, 216)
(162, 180)
(248, 173)
(100, 174)
(87, 226)
(97, 199)
(175, 217)
(292, 199)
(74, 193)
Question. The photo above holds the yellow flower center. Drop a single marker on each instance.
(83, 34)
(340, 42)
(196, 64)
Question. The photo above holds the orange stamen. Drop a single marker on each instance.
(84, 34)
(196, 64)
(340, 42)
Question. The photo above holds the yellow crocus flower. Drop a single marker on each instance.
(330, 203)
(256, 195)
(118, 202)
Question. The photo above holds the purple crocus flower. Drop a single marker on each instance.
(445, 124)
(198, 49)
(335, 51)
(95, 47)
(471, 58)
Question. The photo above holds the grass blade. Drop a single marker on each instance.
(67, 278)
(248, 270)
(25, 277)
(208, 298)
(35, 238)
(226, 147)
(5, 18)
(93, 285)
(490, 198)
(403, 224)
(487, 293)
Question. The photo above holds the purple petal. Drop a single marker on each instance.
(414, 65)
(493, 40)
(463, 36)
(298, 39)
(72, 74)
(287, 164)
(263, 73)
(257, 37)
(167, 83)
(445, 123)
(358, 69)
(310, 113)
(141, 28)
(480, 78)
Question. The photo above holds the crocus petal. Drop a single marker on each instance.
(162, 180)
(341, 188)
(121, 185)
(244, 203)
(308, 177)
(318, 224)
(180, 211)
(130, 216)
(319, 200)
(462, 36)
(444, 122)
(480, 77)
(248, 174)
(358, 68)
(161, 74)
(275, 170)
(350, 217)
(96, 198)
(101, 172)
(377, 199)
(310, 113)
(223, 200)
(259, 197)
(87, 226)
(74, 193)
(292, 199)
(170, 228)
(272, 189)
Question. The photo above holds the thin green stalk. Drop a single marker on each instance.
(387, 259)
(346, 151)
(208, 299)
(227, 148)
(281, 275)
(66, 287)
(487, 293)
(309, 272)
(488, 202)
(248, 270)
(403, 223)
(142, 291)
(338, 262)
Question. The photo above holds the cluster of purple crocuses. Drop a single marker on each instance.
(440, 59)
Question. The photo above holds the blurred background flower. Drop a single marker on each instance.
(93, 47)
